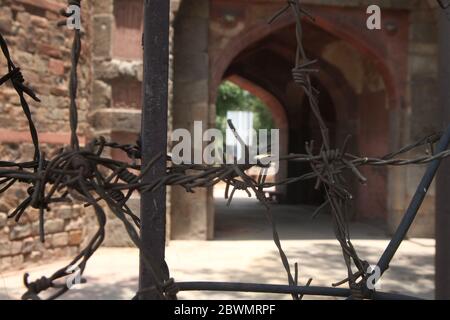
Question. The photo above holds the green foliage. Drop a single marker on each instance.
(232, 98)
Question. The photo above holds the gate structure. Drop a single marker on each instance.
(84, 174)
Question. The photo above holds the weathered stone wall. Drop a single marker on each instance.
(42, 51)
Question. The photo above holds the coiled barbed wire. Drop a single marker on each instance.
(84, 175)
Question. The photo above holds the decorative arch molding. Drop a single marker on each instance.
(250, 36)
(330, 77)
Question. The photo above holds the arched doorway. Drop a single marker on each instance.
(237, 95)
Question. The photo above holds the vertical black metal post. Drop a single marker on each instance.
(154, 139)
(443, 180)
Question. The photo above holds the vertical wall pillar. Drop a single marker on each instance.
(418, 116)
(191, 214)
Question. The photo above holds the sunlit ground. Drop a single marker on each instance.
(244, 252)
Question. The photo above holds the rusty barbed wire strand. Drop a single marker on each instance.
(18, 82)
(334, 185)
(84, 175)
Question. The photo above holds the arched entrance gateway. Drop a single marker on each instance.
(360, 93)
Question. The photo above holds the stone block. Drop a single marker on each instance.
(191, 67)
(5, 248)
(35, 228)
(423, 226)
(421, 32)
(127, 94)
(5, 20)
(191, 92)
(116, 235)
(17, 261)
(119, 120)
(34, 256)
(49, 50)
(28, 245)
(118, 69)
(39, 22)
(4, 234)
(194, 8)
(66, 212)
(420, 65)
(73, 251)
(102, 93)
(74, 225)
(16, 247)
(102, 25)
(56, 67)
(191, 216)
(60, 240)
(3, 219)
(20, 232)
(5, 263)
(189, 27)
(54, 226)
(135, 204)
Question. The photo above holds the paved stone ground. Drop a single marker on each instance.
(244, 251)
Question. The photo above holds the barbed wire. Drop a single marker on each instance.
(84, 174)
(325, 166)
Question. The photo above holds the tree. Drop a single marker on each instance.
(232, 98)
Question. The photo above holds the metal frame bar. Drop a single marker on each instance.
(283, 289)
(154, 140)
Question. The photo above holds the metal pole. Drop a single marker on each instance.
(154, 140)
(282, 289)
(414, 206)
(442, 262)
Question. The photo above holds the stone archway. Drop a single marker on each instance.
(376, 85)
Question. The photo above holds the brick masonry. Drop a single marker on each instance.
(42, 51)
